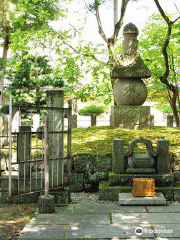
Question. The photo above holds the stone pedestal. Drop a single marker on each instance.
(132, 117)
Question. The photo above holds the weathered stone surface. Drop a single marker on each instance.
(164, 231)
(106, 208)
(176, 163)
(130, 42)
(71, 219)
(148, 218)
(43, 232)
(131, 117)
(130, 66)
(129, 92)
(77, 182)
(177, 193)
(55, 98)
(164, 164)
(61, 196)
(111, 193)
(109, 231)
(118, 156)
(94, 167)
(170, 208)
(128, 199)
(24, 150)
(126, 179)
(177, 176)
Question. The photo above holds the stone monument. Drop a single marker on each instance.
(129, 90)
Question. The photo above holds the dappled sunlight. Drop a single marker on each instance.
(98, 140)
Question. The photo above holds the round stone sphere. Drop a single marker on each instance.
(129, 92)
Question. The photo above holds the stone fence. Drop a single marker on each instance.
(90, 169)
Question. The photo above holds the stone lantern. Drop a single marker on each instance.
(129, 90)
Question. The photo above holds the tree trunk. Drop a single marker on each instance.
(4, 58)
(46, 204)
(174, 109)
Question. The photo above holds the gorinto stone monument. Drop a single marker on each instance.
(129, 90)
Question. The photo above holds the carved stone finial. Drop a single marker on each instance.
(130, 42)
(130, 28)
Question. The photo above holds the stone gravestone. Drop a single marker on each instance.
(129, 90)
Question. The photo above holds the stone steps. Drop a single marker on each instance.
(111, 193)
(126, 179)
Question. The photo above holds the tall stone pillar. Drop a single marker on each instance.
(118, 156)
(24, 150)
(163, 159)
(55, 98)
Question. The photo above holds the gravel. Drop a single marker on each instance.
(83, 197)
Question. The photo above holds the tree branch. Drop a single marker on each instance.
(119, 24)
(101, 31)
(163, 14)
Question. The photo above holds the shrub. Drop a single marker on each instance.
(92, 109)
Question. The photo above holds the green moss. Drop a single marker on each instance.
(105, 185)
(98, 140)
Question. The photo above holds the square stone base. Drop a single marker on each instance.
(131, 117)
(128, 199)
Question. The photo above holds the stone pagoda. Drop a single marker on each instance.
(129, 90)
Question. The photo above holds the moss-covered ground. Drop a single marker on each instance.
(98, 140)
(13, 218)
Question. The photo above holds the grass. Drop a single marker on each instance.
(14, 217)
(98, 140)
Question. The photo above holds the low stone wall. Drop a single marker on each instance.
(88, 171)
(176, 166)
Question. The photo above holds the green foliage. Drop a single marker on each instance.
(165, 108)
(28, 75)
(4, 109)
(151, 41)
(92, 109)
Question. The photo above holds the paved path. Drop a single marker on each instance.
(106, 221)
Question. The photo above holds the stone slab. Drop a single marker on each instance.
(71, 218)
(148, 218)
(167, 231)
(43, 232)
(170, 208)
(128, 199)
(109, 231)
(126, 179)
(106, 208)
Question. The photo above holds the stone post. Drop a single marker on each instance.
(74, 121)
(55, 98)
(93, 120)
(163, 159)
(170, 120)
(118, 155)
(24, 150)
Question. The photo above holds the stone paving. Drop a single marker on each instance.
(106, 221)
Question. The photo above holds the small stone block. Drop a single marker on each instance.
(128, 199)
